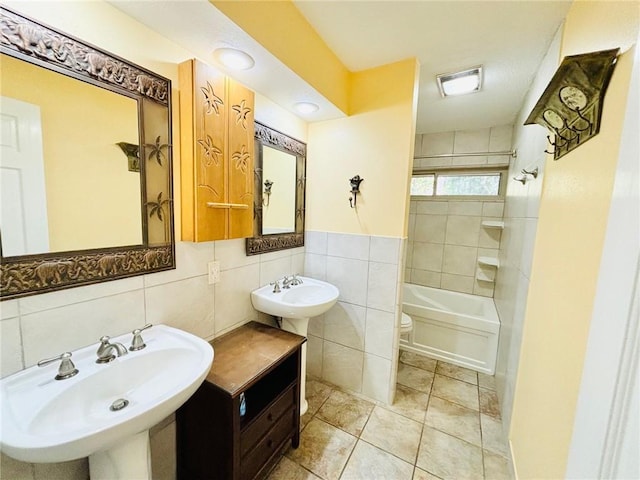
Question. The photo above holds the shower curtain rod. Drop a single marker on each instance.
(511, 153)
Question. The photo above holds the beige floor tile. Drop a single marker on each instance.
(455, 420)
(410, 403)
(415, 378)
(456, 391)
(496, 467)
(370, 463)
(346, 412)
(459, 373)
(417, 360)
(324, 449)
(289, 470)
(449, 457)
(393, 433)
(316, 394)
(489, 404)
(492, 436)
(487, 381)
(422, 475)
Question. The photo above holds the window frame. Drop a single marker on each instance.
(448, 171)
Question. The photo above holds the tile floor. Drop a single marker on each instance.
(445, 423)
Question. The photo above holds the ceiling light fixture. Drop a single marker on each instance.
(306, 107)
(233, 59)
(460, 83)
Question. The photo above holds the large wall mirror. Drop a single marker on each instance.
(85, 163)
(280, 180)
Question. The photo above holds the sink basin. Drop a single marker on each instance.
(48, 420)
(309, 299)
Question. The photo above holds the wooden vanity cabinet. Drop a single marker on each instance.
(216, 154)
(215, 440)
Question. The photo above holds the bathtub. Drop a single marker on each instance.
(455, 327)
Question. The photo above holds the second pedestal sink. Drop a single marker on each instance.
(104, 412)
(296, 305)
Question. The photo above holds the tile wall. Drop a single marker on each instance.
(522, 203)
(45, 325)
(446, 237)
(355, 344)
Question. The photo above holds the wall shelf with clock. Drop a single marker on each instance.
(571, 105)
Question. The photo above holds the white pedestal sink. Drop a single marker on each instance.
(46, 420)
(296, 305)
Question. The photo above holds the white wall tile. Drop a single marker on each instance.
(10, 347)
(186, 304)
(377, 378)
(459, 260)
(432, 207)
(381, 285)
(463, 230)
(430, 228)
(51, 332)
(8, 309)
(493, 209)
(471, 141)
(315, 242)
(342, 366)
(191, 261)
(314, 356)
(232, 254)
(348, 246)
(297, 263)
(489, 237)
(344, 323)
(350, 276)
(379, 333)
(500, 138)
(457, 283)
(384, 249)
(465, 208)
(427, 256)
(233, 297)
(272, 270)
(315, 266)
(437, 143)
(470, 160)
(316, 326)
(426, 278)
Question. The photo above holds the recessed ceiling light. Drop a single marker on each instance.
(233, 58)
(306, 107)
(459, 83)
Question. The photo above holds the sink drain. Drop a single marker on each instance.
(119, 404)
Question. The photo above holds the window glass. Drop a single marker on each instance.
(422, 184)
(470, 184)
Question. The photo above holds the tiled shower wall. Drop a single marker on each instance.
(446, 237)
(354, 345)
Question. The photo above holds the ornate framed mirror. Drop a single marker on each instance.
(280, 189)
(86, 169)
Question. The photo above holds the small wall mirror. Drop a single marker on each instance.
(280, 177)
(85, 165)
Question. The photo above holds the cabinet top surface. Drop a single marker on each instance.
(245, 353)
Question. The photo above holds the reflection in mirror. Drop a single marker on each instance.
(96, 131)
(279, 206)
(280, 177)
(66, 184)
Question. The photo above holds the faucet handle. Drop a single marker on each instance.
(66, 369)
(276, 286)
(295, 280)
(137, 343)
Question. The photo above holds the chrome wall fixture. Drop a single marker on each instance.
(267, 191)
(571, 105)
(524, 175)
(355, 189)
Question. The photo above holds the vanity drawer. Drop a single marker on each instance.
(264, 422)
(257, 458)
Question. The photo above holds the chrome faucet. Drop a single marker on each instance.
(106, 349)
(292, 281)
(66, 369)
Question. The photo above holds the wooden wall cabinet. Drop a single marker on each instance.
(216, 153)
(216, 438)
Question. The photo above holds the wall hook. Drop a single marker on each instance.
(355, 190)
(533, 173)
(521, 178)
(267, 191)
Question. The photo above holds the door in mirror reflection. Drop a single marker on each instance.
(279, 207)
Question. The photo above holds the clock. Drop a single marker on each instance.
(573, 97)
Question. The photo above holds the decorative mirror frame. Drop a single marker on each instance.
(43, 46)
(260, 243)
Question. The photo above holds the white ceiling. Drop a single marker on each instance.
(509, 38)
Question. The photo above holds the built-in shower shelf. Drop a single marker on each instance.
(484, 277)
(493, 224)
(491, 261)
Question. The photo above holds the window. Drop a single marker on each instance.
(456, 184)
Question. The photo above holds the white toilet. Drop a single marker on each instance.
(406, 324)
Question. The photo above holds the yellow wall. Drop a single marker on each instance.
(284, 31)
(573, 218)
(87, 179)
(375, 142)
